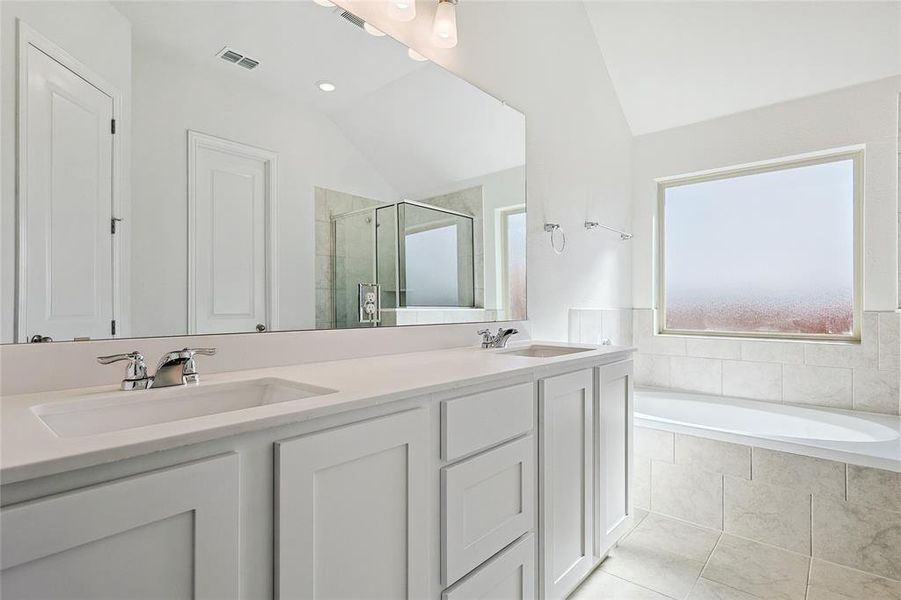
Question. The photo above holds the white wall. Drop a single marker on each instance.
(542, 58)
(98, 36)
(169, 99)
(864, 114)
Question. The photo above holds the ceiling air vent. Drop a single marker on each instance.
(352, 18)
(237, 58)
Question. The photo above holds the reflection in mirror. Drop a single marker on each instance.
(247, 166)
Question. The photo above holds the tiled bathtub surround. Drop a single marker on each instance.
(804, 506)
(862, 376)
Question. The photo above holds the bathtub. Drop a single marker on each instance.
(865, 439)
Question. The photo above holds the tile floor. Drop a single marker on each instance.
(663, 559)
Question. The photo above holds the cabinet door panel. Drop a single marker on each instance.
(567, 481)
(489, 501)
(166, 534)
(352, 514)
(614, 454)
(508, 576)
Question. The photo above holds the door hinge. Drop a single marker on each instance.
(112, 224)
(112, 126)
(112, 327)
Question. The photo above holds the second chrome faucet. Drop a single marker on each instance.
(174, 368)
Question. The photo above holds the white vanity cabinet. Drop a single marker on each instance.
(566, 547)
(613, 454)
(171, 534)
(585, 424)
(352, 511)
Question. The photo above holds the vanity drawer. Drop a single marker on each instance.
(488, 501)
(475, 422)
(508, 576)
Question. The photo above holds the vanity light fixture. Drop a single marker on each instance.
(444, 29)
(402, 10)
(372, 30)
(325, 3)
(326, 86)
(416, 55)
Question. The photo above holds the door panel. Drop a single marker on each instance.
(567, 481)
(167, 534)
(614, 454)
(508, 576)
(67, 204)
(351, 511)
(231, 186)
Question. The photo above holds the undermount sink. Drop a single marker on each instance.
(537, 351)
(125, 410)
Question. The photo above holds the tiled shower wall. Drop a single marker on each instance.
(862, 376)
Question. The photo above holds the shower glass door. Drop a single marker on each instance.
(355, 263)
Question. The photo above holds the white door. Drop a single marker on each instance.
(352, 511)
(613, 417)
(66, 179)
(168, 534)
(567, 482)
(230, 198)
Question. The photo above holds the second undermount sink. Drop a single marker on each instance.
(538, 351)
(126, 410)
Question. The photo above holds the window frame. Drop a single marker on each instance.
(855, 154)
(503, 285)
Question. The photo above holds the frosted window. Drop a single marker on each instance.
(515, 261)
(763, 253)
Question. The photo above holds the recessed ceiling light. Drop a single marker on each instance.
(326, 3)
(326, 86)
(371, 30)
(416, 55)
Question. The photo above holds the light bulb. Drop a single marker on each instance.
(371, 30)
(326, 3)
(402, 10)
(326, 86)
(444, 30)
(416, 55)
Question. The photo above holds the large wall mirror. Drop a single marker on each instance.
(200, 167)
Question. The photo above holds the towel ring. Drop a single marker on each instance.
(553, 228)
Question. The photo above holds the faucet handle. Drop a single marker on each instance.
(203, 351)
(190, 369)
(135, 373)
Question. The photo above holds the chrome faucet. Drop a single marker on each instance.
(496, 341)
(175, 368)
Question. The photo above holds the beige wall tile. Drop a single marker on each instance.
(713, 455)
(889, 344)
(755, 380)
(771, 514)
(857, 536)
(829, 581)
(822, 386)
(652, 370)
(866, 353)
(874, 487)
(876, 391)
(761, 570)
(713, 348)
(704, 375)
(778, 352)
(685, 493)
(641, 483)
(654, 443)
(827, 354)
(815, 475)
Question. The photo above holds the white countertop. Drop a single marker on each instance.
(29, 449)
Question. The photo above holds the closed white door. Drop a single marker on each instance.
(229, 197)
(66, 179)
(567, 481)
(352, 511)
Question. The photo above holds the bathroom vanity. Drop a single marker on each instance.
(459, 473)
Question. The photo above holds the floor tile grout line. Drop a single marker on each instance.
(644, 587)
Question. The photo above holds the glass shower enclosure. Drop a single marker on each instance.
(402, 255)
